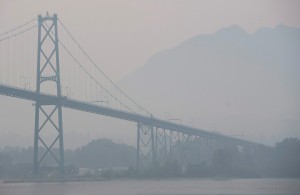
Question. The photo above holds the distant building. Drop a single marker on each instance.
(85, 171)
(119, 170)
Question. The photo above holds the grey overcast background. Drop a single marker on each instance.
(122, 36)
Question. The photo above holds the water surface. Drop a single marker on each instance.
(158, 187)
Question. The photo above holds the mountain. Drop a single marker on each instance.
(231, 82)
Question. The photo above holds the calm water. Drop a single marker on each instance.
(157, 187)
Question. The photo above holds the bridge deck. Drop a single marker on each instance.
(115, 113)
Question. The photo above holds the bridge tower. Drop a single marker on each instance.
(48, 115)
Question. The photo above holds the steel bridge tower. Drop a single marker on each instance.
(48, 113)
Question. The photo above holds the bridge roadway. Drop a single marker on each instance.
(48, 99)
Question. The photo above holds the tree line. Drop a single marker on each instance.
(282, 160)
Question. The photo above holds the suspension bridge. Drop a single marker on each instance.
(45, 64)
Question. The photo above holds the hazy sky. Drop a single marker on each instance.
(122, 35)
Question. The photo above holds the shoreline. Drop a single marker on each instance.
(70, 180)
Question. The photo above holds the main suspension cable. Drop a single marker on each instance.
(14, 29)
(85, 70)
(16, 34)
(97, 67)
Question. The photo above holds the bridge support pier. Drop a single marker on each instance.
(174, 146)
(161, 150)
(145, 147)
